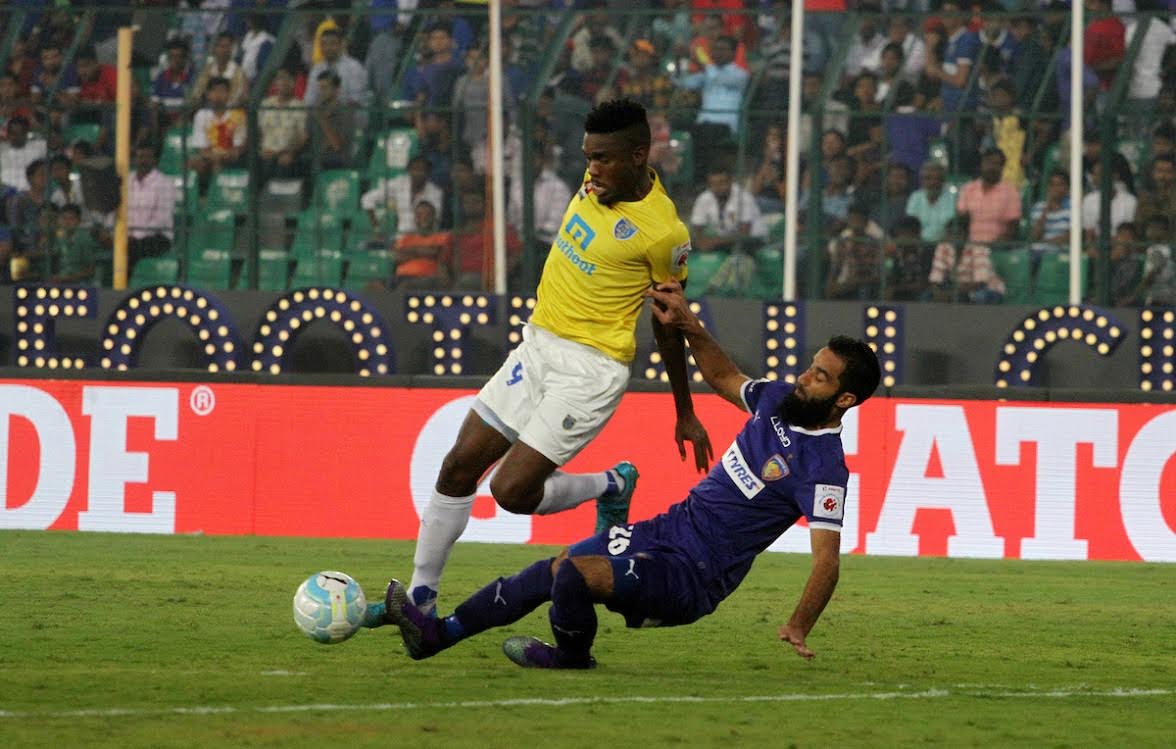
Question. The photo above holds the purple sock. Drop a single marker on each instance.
(502, 602)
(572, 614)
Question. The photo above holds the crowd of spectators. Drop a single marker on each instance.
(936, 158)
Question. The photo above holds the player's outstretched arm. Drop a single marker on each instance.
(671, 310)
(672, 347)
(818, 590)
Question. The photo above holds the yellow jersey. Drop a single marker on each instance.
(602, 261)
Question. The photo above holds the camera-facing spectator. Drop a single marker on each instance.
(282, 122)
(992, 205)
(331, 124)
(74, 250)
(151, 207)
(350, 72)
(171, 86)
(17, 152)
(218, 132)
(221, 66)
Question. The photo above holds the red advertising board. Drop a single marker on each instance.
(928, 477)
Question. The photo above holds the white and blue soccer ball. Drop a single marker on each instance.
(329, 607)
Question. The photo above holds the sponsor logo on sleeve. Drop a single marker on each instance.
(624, 229)
(680, 254)
(775, 469)
(740, 472)
(829, 501)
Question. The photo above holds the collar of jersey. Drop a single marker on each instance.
(816, 432)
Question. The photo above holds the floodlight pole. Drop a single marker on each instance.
(497, 139)
(1077, 135)
(792, 154)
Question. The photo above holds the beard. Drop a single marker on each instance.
(808, 413)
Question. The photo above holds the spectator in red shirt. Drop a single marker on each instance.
(474, 245)
(1104, 42)
(96, 87)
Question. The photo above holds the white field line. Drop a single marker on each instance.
(928, 694)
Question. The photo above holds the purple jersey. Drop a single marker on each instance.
(771, 475)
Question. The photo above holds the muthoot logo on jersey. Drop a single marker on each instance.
(739, 471)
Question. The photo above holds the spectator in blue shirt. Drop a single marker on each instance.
(431, 83)
(1049, 221)
(722, 84)
(170, 88)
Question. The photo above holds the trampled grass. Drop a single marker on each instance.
(118, 640)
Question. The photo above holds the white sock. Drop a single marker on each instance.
(442, 524)
(563, 491)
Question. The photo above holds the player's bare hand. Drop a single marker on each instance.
(793, 637)
(669, 304)
(690, 429)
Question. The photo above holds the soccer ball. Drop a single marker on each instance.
(329, 607)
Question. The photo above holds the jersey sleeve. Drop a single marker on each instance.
(753, 392)
(823, 504)
(668, 255)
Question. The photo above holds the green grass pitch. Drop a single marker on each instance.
(123, 640)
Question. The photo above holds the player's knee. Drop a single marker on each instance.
(515, 495)
(589, 576)
(458, 476)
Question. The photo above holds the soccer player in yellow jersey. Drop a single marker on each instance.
(556, 391)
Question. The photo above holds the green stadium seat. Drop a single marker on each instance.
(769, 272)
(317, 232)
(392, 153)
(1052, 285)
(337, 191)
(368, 267)
(152, 271)
(86, 132)
(215, 230)
(1015, 269)
(210, 269)
(230, 189)
(702, 267)
(273, 270)
(322, 269)
(171, 160)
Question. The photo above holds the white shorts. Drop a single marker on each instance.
(552, 394)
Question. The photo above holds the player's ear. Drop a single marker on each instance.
(641, 155)
(845, 401)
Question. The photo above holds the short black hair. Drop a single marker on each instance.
(895, 48)
(59, 158)
(73, 208)
(1165, 130)
(860, 207)
(331, 31)
(993, 151)
(177, 42)
(862, 373)
(1157, 159)
(619, 115)
(1060, 173)
(87, 53)
(1128, 226)
(329, 75)
(218, 80)
(19, 120)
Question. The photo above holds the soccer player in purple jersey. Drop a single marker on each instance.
(786, 463)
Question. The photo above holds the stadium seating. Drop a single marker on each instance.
(171, 159)
(1052, 285)
(337, 191)
(317, 232)
(1014, 266)
(150, 271)
(324, 268)
(213, 230)
(229, 190)
(212, 269)
(368, 267)
(702, 267)
(273, 270)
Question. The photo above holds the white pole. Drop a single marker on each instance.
(1077, 91)
(792, 155)
(494, 162)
